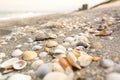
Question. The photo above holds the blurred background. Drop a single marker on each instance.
(27, 8)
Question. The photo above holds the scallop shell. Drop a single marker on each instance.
(43, 70)
(56, 76)
(29, 55)
(51, 43)
(20, 64)
(73, 60)
(84, 60)
(9, 63)
(18, 76)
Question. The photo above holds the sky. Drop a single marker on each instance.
(44, 5)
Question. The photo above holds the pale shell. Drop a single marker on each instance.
(84, 60)
(51, 43)
(73, 60)
(69, 39)
(56, 76)
(9, 62)
(37, 64)
(20, 64)
(57, 67)
(17, 52)
(19, 76)
(29, 55)
(43, 70)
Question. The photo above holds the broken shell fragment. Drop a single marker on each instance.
(96, 58)
(20, 64)
(29, 55)
(73, 60)
(37, 64)
(51, 43)
(76, 53)
(57, 67)
(84, 60)
(17, 52)
(104, 33)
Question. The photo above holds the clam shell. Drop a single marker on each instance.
(37, 64)
(18, 76)
(51, 43)
(69, 39)
(56, 76)
(20, 64)
(64, 63)
(36, 47)
(29, 55)
(84, 60)
(9, 63)
(17, 52)
(57, 67)
(43, 70)
(73, 60)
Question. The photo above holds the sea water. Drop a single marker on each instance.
(10, 9)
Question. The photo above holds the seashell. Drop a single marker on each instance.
(43, 54)
(2, 55)
(84, 60)
(106, 63)
(30, 40)
(113, 76)
(61, 47)
(29, 55)
(9, 63)
(96, 58)
(43, 70)
(69, 39)
(104, 33)
(46, 49)
(76, 53)
(20, 64)
(19, 76)
(37, 64)
(17, 52)
(59, 55)
(64, 63)
(73, 60)
(66, 44)
(97, 45)
(84, 44)
(56, 76)
(19, 46)
(52, 36)
(51, 43)
(36, 47)
(91, 30)
(57, 67)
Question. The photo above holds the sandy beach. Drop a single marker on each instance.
(91, 36)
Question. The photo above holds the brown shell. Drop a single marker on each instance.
(29, 55)
(51, 43)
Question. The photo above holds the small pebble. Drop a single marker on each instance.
(106, 63)
(113, 76)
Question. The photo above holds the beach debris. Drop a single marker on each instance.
(29, 55)
(17, 53)
(18, 76)
(96, 58)
(113, 76)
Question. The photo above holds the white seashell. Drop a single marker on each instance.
(17, 52)
(113, 76)
(59, 55)
(36, 47)
(61, 47)
(19, 76)
(2, 55)
(56, 76)
(30, 40)
(9, 62)
(69, 39)
(73, 60)
(20, 64)
(59, 51)
(37, 64)
(84, 60)
(57, 68)
(19, 46)
(43, 70)
(43, 54)
(66, 44)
